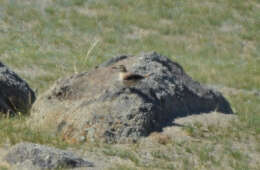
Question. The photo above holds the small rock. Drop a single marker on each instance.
(44, 157)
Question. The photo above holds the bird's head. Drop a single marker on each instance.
(120, 68)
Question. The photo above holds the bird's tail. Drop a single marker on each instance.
(148, 75)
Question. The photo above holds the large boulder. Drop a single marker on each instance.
(15, 94)
(35, 156)
(95, 105)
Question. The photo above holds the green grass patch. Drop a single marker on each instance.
(248, 109)
(14, 130)
(3, 168)
(218, 38)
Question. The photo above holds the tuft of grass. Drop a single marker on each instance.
(248, 109)
(194, 130)
(160, 155)
(236, 155)
(15, 130)
(122, 153)
(186, 164)
(205, 154)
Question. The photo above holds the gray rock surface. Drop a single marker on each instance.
(95, 105)
(15, 94)
(37, 156)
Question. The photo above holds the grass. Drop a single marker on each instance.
(220, 38)
(3, 168)
(216, 41)
(122, 153)
(15, 130)
(122, 167)
(160, 155)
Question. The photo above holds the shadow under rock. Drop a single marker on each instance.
(164, 112)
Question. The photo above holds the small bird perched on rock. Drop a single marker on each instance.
(128, 78)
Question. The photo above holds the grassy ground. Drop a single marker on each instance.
(216, 41)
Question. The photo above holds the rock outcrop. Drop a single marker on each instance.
(95, 105)
(15, 94)
(34, 156)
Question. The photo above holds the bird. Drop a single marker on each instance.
(127, 78)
